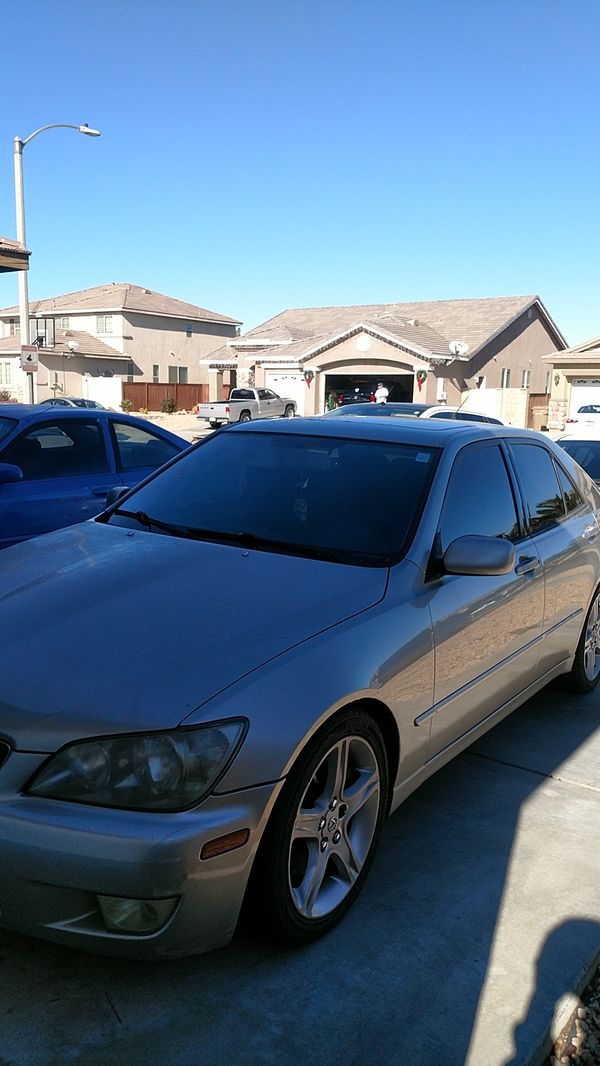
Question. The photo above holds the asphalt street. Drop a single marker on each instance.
(480, 917)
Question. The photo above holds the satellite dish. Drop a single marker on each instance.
(458, 348)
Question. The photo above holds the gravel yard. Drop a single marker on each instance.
(579, 1041)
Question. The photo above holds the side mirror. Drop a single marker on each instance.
(114, 494)
(9, 474)
(479, 556)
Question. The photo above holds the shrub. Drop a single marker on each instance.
(168, 406)
(142, 410)
(125, 405)
(5, 396)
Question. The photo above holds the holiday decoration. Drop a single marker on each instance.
(421, 378)
(308, 376)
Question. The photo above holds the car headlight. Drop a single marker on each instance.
(144, 771)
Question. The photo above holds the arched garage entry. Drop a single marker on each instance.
(352, 387)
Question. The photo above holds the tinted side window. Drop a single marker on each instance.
(136, 448)
(479, 499)
(59, 449)
(540, 483)
(570, 494)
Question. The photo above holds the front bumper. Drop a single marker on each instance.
(55, 857)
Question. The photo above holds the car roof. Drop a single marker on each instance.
(426, 431)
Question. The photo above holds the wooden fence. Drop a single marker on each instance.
(149, 395)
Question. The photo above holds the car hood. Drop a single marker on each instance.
(104, 629)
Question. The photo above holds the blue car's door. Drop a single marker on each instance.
(67, 471)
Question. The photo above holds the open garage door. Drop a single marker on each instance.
(350, 388)
(289, 384)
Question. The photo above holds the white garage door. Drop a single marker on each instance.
(287, 384)
(583, 391)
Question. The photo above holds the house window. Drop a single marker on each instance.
(525, 378)
(130, 369)
(14, 327)
(62, 322)
(104, 323)
(6, 377)
(155, 374)
(505, 379)
(178, 375)
(188, 329)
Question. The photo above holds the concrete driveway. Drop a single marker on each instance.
(481, 913)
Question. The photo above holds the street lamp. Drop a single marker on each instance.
(18, 145)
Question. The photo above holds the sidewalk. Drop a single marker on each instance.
(187, 426)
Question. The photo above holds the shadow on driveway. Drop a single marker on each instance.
(489, 866)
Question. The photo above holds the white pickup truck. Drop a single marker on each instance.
(245, 404)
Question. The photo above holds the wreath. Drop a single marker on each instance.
(308, 376)
(421, 378)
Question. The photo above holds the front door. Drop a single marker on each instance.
(66, 476)
(486, 629)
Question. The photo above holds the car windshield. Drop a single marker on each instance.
(589, 409)
(6, 425)
(346, 501)
(586, 453)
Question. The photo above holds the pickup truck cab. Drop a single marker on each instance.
(244, 405)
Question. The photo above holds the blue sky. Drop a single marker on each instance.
(261, 155)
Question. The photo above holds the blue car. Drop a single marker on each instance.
(58, 464)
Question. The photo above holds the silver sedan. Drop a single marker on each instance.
(215, 692)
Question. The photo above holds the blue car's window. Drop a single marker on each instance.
(6, 427)
(355, 501)
(59, 449)
(136, 448)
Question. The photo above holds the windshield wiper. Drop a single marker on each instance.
(147, 520)
(246, 539)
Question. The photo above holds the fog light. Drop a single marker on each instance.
(136, 916)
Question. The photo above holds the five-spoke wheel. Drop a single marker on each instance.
(325, 829)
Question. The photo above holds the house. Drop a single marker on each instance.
(436, 351)
(119, 332)
(575, 380)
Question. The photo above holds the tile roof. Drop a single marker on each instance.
(13, 256)
(587, 352)
(427, 326)
(121, 296)
(88, 346)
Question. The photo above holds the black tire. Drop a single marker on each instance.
(289, 412)
(303, 885)
(214, 425)
(585, 672)
(245, 416)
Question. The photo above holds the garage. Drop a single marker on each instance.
(583, 391)
(352, 388)
(288, 383)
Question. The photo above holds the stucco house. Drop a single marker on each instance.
(435, 351)
(90, 340)
(575, 380)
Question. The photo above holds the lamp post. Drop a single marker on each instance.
(18, 146)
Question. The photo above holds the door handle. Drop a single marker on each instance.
(527, 564)
(589, 532)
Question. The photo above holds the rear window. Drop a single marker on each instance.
(348, 501)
